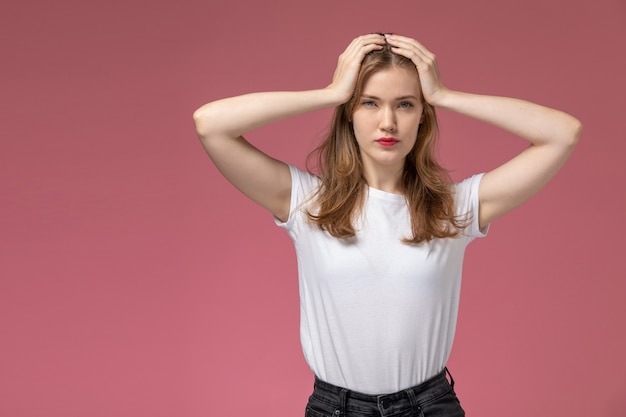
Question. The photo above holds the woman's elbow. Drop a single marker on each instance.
(571, 132)
(202, 121)
(576, 130)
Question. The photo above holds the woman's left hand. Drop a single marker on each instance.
(426, 63)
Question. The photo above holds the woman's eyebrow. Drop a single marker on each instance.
(397, 98)
(407, 97)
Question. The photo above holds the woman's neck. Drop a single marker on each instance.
(388, 179)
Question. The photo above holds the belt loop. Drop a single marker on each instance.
(414, 404)
(451, 379)
(343, 399)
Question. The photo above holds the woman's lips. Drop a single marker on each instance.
(387, 141)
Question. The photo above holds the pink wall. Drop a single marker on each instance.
(136, 282)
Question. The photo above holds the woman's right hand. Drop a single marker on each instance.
(349, 64)
(221, 125)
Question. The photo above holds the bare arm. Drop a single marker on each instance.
(221, 124)
(552, 134)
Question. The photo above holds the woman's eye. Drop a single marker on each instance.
(369, 103)
(406, 105)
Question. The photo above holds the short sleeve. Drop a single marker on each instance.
(467, 205)
(303, 185)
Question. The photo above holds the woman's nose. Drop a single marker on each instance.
(387, 119)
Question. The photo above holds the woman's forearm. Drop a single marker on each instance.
(235, 116)
(538, 124)
(232, 117)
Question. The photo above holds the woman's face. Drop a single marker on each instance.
(387, 116)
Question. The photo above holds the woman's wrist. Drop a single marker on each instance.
(444, 98)
(336, 97)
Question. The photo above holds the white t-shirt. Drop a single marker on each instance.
(378, 315)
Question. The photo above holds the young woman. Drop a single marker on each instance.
(380, 232)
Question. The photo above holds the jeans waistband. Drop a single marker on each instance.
(412, 397)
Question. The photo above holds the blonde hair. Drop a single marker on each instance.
(426, 185)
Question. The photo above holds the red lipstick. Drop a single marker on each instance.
(387, 141)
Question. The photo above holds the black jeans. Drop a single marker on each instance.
(433, 398)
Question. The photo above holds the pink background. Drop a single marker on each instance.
(136, 282)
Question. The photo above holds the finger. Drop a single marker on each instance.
(366, 41)
(373, 37)
(409, 48)
(363, 45)
(398, 39)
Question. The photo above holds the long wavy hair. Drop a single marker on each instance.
(425, 184)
